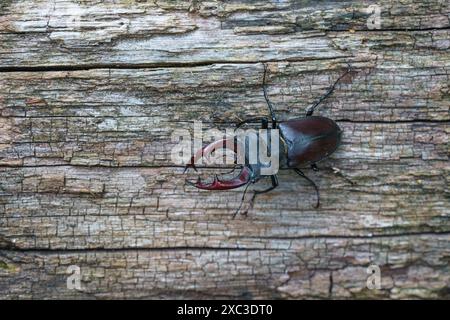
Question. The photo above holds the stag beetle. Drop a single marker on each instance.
(304, 142)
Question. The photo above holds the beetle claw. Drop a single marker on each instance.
(243, 178)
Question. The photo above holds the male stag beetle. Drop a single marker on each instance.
(303, 142)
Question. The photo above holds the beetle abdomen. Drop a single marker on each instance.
(309, 139)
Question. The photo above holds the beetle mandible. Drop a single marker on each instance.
(303, 142)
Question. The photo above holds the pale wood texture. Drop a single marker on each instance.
(90, 93)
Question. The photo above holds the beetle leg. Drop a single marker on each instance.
(311, 109)
(242, 201)
(300, 173)
(274, 179)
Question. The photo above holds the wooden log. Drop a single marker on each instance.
(73, 208)
(87, 118)
(41, 33)
(412, 267)
(92, 92)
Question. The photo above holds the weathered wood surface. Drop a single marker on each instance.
(91, 92)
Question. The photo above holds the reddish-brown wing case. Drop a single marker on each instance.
(309, 139)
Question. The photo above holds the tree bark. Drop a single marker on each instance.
(91, 93)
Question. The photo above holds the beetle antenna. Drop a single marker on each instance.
(311, 109)
(242, 201)
(269, 104)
